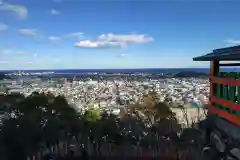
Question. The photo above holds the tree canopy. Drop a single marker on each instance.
(92, 115)
(43, 119)
(35, 120)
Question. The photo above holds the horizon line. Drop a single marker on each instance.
(104, 68)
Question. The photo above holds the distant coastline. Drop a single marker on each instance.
(130, 70)
(119, 70)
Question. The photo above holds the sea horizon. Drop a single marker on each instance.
(101, 69)
(110, 70)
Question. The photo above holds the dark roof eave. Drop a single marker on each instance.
(201, 58)
(218, 58)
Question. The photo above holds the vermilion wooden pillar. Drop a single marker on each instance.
(214, 69)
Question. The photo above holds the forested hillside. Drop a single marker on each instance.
(41, 120)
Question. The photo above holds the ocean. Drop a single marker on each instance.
(146, 70)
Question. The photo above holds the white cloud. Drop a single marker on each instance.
(74, 34)
(98, 44)
(54, 12)
(127, 38)
(54, 38)
(115, 40)
(3, 27)
(236, 42)
(23, 53)
(19, 53)
(30, 62)
(4, 62)
(6, 51)
(28, 32)
(122, 55)
(20, 10)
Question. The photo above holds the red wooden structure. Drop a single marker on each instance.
(224, 108)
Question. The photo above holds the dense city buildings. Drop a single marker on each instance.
(111, 92)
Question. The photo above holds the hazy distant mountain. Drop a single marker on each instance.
(2, 76)
(190, 74)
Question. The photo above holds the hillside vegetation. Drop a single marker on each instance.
(40, 120)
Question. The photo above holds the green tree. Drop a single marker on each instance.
(162, 111)
(37, 119)
(42, 119)
(92, 115)
(155, 110)
(167, 127)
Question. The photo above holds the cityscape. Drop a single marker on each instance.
(119, 79)
(111, 92)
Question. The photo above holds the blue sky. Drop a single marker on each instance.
(62, 34)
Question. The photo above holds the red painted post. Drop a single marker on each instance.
(214, 69)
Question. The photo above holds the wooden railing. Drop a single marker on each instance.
(226, 101)
(224, 81)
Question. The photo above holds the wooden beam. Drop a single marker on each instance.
(224, 81)
(230, 117)
(214, 69)
(226, 103)
(229, 64)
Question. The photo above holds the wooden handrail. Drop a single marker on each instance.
(224, 81)
(226, 103)
(230, 117)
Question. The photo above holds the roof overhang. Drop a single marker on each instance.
(223, 54)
